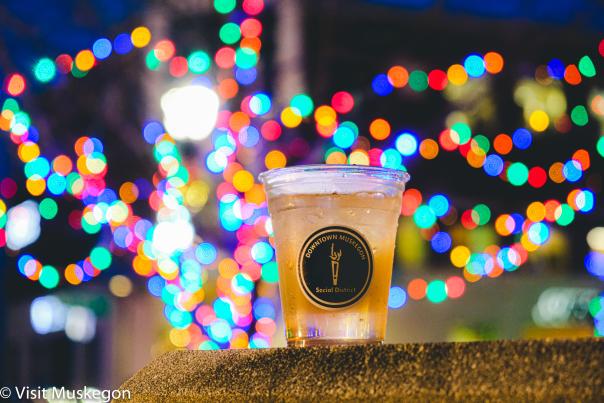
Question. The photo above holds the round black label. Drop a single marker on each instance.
(335, 267)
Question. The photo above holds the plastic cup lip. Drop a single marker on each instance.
(333, 172)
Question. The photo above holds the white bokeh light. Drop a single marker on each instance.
(47, 314)
(22, 225)
(190, 112)
(80, 325)
(169, 237)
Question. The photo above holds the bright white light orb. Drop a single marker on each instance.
(22, 225)
(190, 112)
(80, 325)
(47, 314)
(170, 237)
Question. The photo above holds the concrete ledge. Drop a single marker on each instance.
(498, 370)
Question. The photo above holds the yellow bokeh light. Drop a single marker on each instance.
(120, 286)
(35, 185)
(535, 211)
(28, 151)
(77, 186)
(142, 265)
(325, 115)
(460, 256)
(538, 120)
(243, 180)
(358, 157)
(527, 244)
(457, 75)
(140, 37)
(336, 157)
(290, 117)
(196, 195)
(84, 60)
(118, 213)
(275, 159)
(241, 340)
(168, 269)
(180, 337)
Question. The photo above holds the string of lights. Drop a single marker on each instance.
(177, 269)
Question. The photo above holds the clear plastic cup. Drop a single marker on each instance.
(335, 230)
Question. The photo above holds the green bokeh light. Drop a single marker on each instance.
(199, 62)
(418, 80)
(11, 104)
(424, 216)
(230, 33)
(49, 277)
(483, 142)
(517, 174)
(245, 58)
(48, 208)
(579, 115)
(72, 179)
(436, 291)
(45, 70)
(270, 272)
(586, 67)
(481, 214)
(90, 228)
(224, 6)
(100, 258)
(77, 73)
(152, 61)
(303, 103)
(596, 305)
(463, 131)
(566, 215)
(38, 166)
(600, 146)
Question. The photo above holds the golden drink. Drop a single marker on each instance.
(335, 230)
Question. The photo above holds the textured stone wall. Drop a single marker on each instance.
(481, 371)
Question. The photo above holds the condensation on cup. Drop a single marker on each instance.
(335, 230)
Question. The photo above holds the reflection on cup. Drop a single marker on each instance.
(335, 229)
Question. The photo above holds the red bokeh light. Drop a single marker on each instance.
(437, 80)
(179, 66)
(342, 102)
(537, 177)
(253, 7)
(271, 130)
(456, 287)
